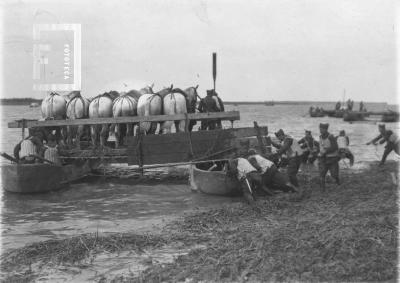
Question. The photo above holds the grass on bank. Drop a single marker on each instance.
(347, 233)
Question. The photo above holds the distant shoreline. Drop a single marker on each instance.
(19, 101)
(28, 101)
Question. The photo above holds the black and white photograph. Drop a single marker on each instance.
(199, 141)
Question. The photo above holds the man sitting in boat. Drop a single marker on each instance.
(28, 150)
(51, 151)
(343, 142)
(294, 152)
(310, 147)
(271, 177)
(208, 104)
(392, 142)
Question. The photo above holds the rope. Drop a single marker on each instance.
(214, 145)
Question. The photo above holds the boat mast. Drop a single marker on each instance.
(344, 97)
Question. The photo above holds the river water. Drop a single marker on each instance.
(112, 206)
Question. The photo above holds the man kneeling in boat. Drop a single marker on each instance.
(271, 177)
(27, 150)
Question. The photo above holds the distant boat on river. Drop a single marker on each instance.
(34, 104)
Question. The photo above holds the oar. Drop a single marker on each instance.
(214, 58)
(8, 157)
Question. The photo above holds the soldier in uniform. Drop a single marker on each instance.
(208, 104)
(328, 155)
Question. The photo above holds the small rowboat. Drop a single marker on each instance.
(390, 117)
(41, 177)
(213, 182)
(353, 116)
(316, 113)
(34, 104)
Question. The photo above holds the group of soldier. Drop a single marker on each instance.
(349, 106)
(261, 170)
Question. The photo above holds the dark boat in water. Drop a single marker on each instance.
(213, 182)
(41, 177)
(316, 113)
(390, 117)
(350, 116)
(269, 103)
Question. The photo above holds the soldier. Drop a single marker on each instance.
(208, 104)
(392, 142)
(328, 155)
(26, 149)
(271, 177)
(310, 146)
(294, 152)
(220, 105)
(343, 142)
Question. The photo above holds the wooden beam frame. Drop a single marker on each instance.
(230, 115)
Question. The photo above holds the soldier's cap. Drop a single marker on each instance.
(251, 151)
(342, 132)
(280, 132)
(210, 91)
(382, 126)
(307, 131)
(324, 125)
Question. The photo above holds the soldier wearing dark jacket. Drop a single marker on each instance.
(328, 156)
(220, 105)
(208, 104)
(310, 146)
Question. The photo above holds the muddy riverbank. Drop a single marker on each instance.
(347, 233)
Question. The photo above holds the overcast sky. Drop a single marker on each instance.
(267, 50)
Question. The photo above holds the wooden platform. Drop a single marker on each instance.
(166, 148)
(23, 123)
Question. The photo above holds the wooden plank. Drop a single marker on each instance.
(176, 147)
(170, 148)
(230, 115)
(121, 155)
(198, 135)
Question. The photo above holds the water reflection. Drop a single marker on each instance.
(96, 206)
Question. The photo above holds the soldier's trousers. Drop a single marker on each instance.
(293, 169)
(330, 164)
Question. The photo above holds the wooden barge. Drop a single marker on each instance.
(145, 151)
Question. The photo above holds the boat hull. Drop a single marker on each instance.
(353, 116)
(317, 114)
(390, 117)
(40, 178)
(213, 182)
